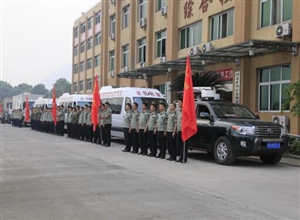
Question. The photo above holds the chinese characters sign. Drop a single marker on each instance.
(188, 9)
(237, 79)
(226, 74)
(204, 4)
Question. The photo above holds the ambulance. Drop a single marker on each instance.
(43, 103)
(119, 96)
(73, 100)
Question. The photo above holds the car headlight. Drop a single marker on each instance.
(244, 130)
(284, 131)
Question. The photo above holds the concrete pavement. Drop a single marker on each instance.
(50, 177)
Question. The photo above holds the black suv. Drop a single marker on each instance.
(228, 130)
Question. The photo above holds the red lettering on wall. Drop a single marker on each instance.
(204, 5)
(188, 9)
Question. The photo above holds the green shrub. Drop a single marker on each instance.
(294, 147)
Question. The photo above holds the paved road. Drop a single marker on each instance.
(45, 177)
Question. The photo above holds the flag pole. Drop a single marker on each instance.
(183, 155)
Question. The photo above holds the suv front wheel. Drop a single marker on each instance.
(223, 152)
(271, 159)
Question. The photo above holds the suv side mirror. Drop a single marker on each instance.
(257, 117)
(204, 115)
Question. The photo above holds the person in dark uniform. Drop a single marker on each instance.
(183, 152)
(171, 132)
(161, 131)
(133, 128)
(107, 124)
(102, 130)
(80, 124)
(126, 126)
(150, 127)
(142, 131)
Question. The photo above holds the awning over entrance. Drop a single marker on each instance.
(230, 53)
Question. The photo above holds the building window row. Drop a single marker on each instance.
(273, 82)
(125, 23)
(125, 55)
(191, 35)
(89, 83)
(75, 87)
(113, 24)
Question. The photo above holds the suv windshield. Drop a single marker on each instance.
(230, 110)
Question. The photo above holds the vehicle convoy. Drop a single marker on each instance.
(119, 96)
(228, 130)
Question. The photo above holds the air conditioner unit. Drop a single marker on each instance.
(281, 120)
(163, 10)
(207, 47)
(142, 64)
(126, 68)
(162, 59)
(194, 50)
(112, 73)
(112, 36)
(283, 30)
(113, 2)
(143, 22)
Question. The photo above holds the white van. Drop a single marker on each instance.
(73, 100)
(119, 96)
(43, 103)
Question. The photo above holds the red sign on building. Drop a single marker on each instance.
(226, 74)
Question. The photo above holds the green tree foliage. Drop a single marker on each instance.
(293, 96)
(40, 89)
(21, 88)
(6, 90)
(61, 86)
(199, 79)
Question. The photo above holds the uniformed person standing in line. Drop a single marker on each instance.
(73, 122)
(68, 121)
(32, 119)
(142, 131)
(88, 124)
(42, 121)
(126, 126)
(183, 154)
(80, 124)
(133, 128)
(160, 130)
(48, 120)
(150, 127)
(171, 132)
(51, 122)
(60, 121)
(76, 133)
(85, 112)
(96, 133)
(38, 118)
(101, 123)
(20, 118)
(107, 124)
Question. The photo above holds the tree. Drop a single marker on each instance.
(21, 88)
(40, 89)
(199, 79)
(62, 86)
(292, 95)
(6, 90)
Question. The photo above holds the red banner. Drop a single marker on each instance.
(96, 103)
(27, 118)
(54, 107)
(226, 74)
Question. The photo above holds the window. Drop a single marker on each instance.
(113, 24)
(161, 44)
(81, 85)
(115, 104)
(160, 4)
(82, 47)
(191, 35)
(89, 84)
(76, 32)
(275, 11)
(125, 55)
(82, 28)
(111, 60)
(125, 17)
(75, 68)
(221, 25)
(82, 66)
(98, 17)
(89, 43)
(89, 23)
(97, 39)
(142, 50)
(142, 9)
(97, 60)
(75, 86)
(273, 82)
(89, 63)
(75, 50)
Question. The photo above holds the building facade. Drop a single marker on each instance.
(254, 45)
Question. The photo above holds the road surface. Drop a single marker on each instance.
(46, 177)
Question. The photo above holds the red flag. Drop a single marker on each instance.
(54, 107)
(189, 121)
(1, 109)
(96, 103)
(27, 110)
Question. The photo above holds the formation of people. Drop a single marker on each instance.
(17, 118)
(78, 121)
(157, 131)
(153, 132)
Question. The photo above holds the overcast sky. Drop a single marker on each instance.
(36, 39)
